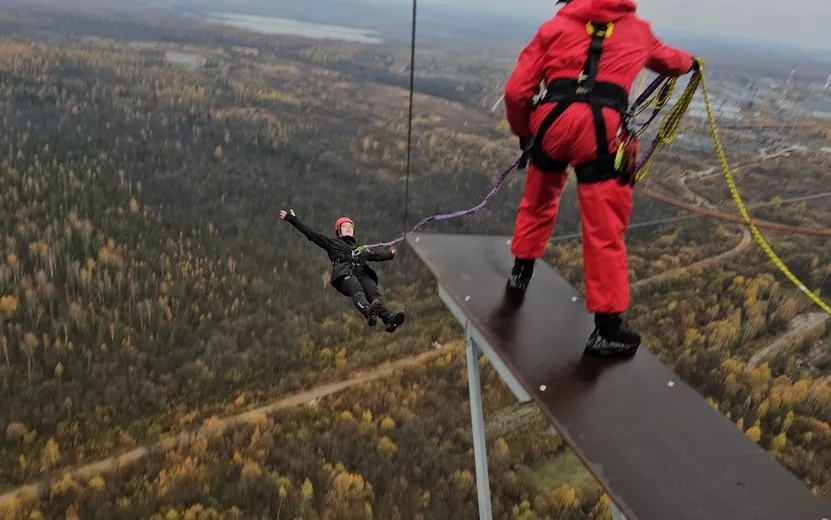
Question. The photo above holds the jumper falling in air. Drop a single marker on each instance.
(351, 275)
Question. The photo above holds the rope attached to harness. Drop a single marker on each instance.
(646, 98)
(668, 129)
(667, 132)
(456, 214)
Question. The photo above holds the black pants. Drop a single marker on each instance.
(362, 289)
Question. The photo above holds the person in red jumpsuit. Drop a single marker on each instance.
(588, 55)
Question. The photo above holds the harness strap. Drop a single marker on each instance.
(540, 158)
(599, 170)
(600, 130)
(585, 89)
(603, 93)
(598, 34)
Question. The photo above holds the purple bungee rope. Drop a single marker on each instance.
(504, 175)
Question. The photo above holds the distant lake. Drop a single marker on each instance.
(185, 58)
(269, 25)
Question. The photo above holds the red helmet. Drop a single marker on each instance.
(341, 221)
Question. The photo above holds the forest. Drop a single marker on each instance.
(148, 286)
(396, 449)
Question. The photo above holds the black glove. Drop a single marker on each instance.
(524, 143)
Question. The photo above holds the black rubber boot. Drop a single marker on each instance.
(611, 337)
(520, 277)
(393, 320)
(371, 312)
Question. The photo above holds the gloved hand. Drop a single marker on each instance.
(696, 65)
(284, 213)
(524, 143)
(628, 169)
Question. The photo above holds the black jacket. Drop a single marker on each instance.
(340, 251)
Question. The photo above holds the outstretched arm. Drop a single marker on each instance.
(667, 60)
(381, 257)
(318, 238)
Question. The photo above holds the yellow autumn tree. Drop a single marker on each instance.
(50, 456)
(464, 481)
(8, 305)
(754, 433)
(523, 512)
(778, 442)
(788, 422)
(340, 358)
(565, 497)
(96, 483)
(387, 446)
(307, 491)
(11, 508)
(349, 498)
(251, 470)
(501, 451)
(64, 486)
(601, 510)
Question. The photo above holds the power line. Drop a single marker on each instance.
(822, 232)
(682, 218)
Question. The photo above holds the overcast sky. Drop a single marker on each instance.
(794, 22)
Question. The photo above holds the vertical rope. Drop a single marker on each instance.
(410, 118)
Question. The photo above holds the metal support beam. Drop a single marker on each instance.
(475, 346)
(471, 333)
(477, 416)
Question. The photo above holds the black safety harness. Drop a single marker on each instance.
(585, 89)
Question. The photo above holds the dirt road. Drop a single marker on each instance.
(220, 425)
(667, 275)
(799, 326)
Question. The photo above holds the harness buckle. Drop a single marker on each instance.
(605, 32)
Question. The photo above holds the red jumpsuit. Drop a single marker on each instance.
(559, 50)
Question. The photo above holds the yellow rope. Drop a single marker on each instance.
(659, 98)
(666, 134)
(671, 122)
(728, 176)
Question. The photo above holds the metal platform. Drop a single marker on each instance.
(652, 442)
